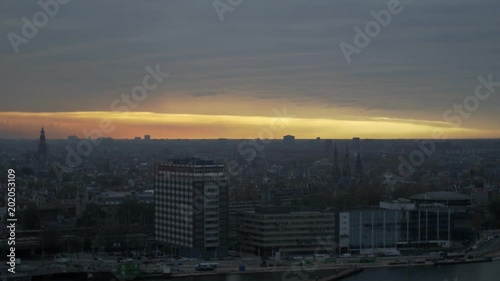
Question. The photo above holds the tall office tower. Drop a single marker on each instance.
(147, 137)
(42, 160)
(191, 208)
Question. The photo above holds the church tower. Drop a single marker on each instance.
(358, 168)
(42, 160)
(347, 164)
(335, 167)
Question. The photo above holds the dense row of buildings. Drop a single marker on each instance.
(193, 218)
(184, 204)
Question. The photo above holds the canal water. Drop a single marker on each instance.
(489, 271)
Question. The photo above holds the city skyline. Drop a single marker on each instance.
(189, 126)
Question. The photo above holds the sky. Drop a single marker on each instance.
(234, 73)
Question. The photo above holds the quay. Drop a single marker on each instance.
(343, 274)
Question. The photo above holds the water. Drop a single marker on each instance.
(489, 271)
(465, 272)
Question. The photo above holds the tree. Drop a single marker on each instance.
(87, 244)
(91, 217)
(75, 244)
(495, 208)
(50, 240)
(27, 171)
(132, 212)
(128, 212)
(31, 216)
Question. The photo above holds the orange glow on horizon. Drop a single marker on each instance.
(194, 126)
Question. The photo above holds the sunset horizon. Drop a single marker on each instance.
(60, 125)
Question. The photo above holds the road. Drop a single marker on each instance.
(87, 262)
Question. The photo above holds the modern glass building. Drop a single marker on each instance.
(377, 231)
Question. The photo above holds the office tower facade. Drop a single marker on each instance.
(191, 208)
(147, 137)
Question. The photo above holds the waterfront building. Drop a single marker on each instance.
(268, 231)
(427, 220)
(452, 199)
(377, 231)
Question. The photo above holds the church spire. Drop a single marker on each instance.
(335, 152)
(42, 161)
(335, 166)
(358, 169)
(347, 164)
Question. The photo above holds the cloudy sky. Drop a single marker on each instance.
(228, 78)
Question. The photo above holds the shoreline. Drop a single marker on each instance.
(326, 268)
(280, 269)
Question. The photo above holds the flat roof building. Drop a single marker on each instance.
(442, 197)
(268, 231)
(376, 231)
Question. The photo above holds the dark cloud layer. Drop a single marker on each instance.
(424, 61)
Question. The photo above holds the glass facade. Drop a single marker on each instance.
(376, 229)
(390, 229)
(425, 225)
